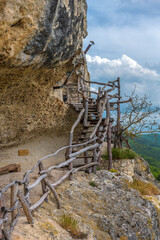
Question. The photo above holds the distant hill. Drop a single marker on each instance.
(148, 146)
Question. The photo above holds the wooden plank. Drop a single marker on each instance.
(23, 152)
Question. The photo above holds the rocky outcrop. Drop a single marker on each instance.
(41, 33)
(104, 207)
(39, 41)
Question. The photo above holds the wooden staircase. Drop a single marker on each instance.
(92, 125)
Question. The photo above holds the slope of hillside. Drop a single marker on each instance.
(148, 146)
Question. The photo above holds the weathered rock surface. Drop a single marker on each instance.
(107, 210)
(38, 42)
(41, 32)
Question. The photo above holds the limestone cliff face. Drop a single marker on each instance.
(40, 32)
(38, 41)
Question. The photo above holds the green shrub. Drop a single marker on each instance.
(121, 154)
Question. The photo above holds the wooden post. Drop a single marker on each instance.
(14, 191)
(109, 134)
(85, 121)
(6, 235)
(118, 113)
(99, 100)
(94, 168)
(68, 96)
(43, 184)
(86, 160)
(26, 190)
(25, 207)
(109, 149)
(54, 193)
(70, 152)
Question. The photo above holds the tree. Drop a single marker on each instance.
(139, 117)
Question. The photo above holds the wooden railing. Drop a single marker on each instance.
(20, 190)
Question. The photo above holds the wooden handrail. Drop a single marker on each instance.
(18, 199)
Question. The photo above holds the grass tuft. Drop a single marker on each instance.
(144, 188)
(71, 225)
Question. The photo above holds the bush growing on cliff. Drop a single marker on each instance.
(121, 154)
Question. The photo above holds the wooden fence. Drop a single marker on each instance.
(20, 190)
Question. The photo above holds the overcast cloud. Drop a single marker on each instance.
(127, 37)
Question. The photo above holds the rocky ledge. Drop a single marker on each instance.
(103, 206)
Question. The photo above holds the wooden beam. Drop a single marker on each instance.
(13, 199)
(44, 189)
(25, 207)
(84, 150)
(10, 168)
(36, 182)
(6, 235)
(54, 193)
(109, 149)
(41, 200)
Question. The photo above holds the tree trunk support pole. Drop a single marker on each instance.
(118, 138)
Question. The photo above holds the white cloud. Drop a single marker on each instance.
(131, 73)
(139, 40)
(122, 65)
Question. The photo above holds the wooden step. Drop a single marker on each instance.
(95, 114)
(81, 138)
(89, 106)
(81, 105)
(84, 157)
(92, 131)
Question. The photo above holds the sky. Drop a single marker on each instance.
(127, 44)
